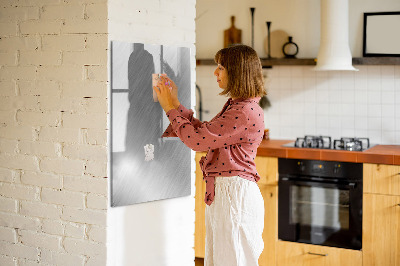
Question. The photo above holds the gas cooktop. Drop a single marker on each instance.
(325, 142)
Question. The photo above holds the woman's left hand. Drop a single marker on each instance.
(164, 95)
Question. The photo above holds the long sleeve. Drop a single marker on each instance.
(231, 138)
(225, 130)
(188, 114)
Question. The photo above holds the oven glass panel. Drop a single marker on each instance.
(317, 208)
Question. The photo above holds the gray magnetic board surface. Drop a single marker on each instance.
(144, 166)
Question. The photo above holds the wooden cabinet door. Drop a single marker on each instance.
(298, 254)
(270, 233)
(381, 230)
(381, 179)
(200, 207)
(267, 168)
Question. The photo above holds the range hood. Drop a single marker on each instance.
(334, 51)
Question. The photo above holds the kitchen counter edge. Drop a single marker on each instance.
(379, 154)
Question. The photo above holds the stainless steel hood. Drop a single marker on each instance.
(334, 52)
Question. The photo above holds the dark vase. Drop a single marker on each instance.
(290, 49)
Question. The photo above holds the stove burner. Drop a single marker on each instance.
(324, 142)
(351, 144)
(308, 141)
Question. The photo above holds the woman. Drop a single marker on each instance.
(235, 207)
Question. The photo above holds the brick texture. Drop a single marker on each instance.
(61, 258)
(75, 230)
(53, 227)
(53, 122)
(8, 234)
(84, 247)
(87, 216)
(34, 239)
(8, 204)
(97, 234)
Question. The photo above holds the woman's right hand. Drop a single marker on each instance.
(174, 90)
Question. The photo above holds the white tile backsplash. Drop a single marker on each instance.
(364, 103)
(388, 97)
(397, 95)
(388, 110)
(347, 110)
(348, 96)
(374, 110)
(361, 110)
(360, 97)
(397, 72)
(387, 71)
(374, 97)
(361, 123)
(397, 111)
(387, 124)
(322, 121)
(374, 83)
(388, 83)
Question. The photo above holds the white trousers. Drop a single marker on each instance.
(234, 223)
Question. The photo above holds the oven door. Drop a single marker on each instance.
(321, 212)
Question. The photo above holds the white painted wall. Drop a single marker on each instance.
(299, 18)
(338, 104)
(160, 232)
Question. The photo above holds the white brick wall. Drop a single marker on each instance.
(53, 126)
(53, 122)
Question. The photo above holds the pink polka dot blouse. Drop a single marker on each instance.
(231, 139)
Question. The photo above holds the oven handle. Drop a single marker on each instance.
(297, 181)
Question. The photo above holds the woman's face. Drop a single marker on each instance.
(222, 76)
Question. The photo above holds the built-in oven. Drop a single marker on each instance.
(320, 202)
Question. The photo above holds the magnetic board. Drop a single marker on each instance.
(145, 167)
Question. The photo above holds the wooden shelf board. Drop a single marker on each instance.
(376, 61)
(312, 61)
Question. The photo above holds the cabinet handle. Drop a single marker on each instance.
(318, 254)
(398, 204)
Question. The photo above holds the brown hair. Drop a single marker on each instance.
(245, 78)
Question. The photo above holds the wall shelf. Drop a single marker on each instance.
(376, 61)
(312, 61)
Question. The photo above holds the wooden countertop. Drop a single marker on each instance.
(379, 154)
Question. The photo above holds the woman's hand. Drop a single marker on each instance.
(164, 95)
(174, 93)
(174, 90)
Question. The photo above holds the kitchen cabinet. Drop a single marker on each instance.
(267, 168)
(291, 253)
(200, 207)
(381, 215)
(381, 179)
(381, 221)
(381, 230)
(270, 233)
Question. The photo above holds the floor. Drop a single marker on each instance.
(198, 261)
